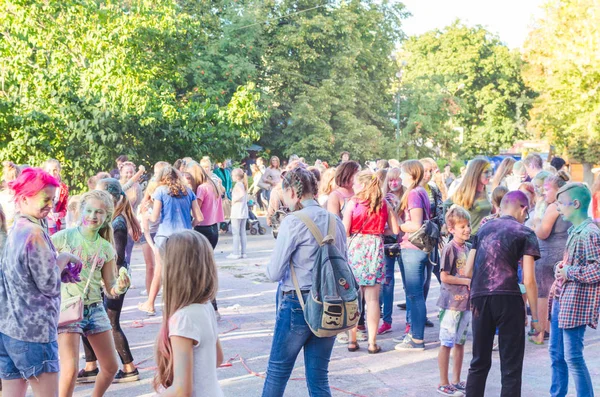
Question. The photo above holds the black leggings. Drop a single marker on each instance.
(212, 234)
(113, 309)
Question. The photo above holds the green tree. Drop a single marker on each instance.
(564, 66)
(84, 81)
(326, 74)
(462, 79)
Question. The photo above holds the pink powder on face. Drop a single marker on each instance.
(31, 182)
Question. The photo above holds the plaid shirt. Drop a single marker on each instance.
(580, 295)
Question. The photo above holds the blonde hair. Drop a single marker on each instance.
(200, 177)
(559, 180)
(415, 169)
(455, 214)
(205, 162)
(10, 171)
(371, 192)
(106, 230)
(505, 168)
(241, 176)
(393, 173)
(467, 190)
(189, 276)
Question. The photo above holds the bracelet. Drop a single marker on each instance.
(535, 321)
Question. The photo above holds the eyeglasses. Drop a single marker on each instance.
(526, 212)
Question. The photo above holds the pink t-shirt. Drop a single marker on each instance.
(212, 204)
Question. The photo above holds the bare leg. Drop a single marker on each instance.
(45, 385)
(373, 314)
(104, 347)
(149, 259)
(68, 351)
(155, 286)
(443, 364)
(542, 318)
(15, 387)
(459, 354)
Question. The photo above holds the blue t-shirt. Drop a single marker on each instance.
(176, 211)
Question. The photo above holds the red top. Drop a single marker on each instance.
(365, 223)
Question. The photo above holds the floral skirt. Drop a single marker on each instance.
(365, 255)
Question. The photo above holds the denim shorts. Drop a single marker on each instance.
(95, 321)
(24, 360)
(143, 238)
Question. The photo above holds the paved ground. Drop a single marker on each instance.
(247, 303)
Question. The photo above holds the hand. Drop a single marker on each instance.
(123, 282)
(468, 283)
(142, 168)
(64, 258)
(561, 271)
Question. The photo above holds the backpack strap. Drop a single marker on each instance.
(311, 226)
(296, 285)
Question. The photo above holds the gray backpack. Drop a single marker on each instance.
(333, 303)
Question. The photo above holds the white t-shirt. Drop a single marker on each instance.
(199, 323)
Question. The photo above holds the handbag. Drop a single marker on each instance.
(71, 309)
(391, 245)
(427, 236)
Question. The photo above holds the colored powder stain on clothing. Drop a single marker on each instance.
(98, 251)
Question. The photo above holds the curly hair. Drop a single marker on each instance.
(171, 178)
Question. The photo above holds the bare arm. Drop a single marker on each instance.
(155, 216)
(415, 223)
(530, 284)
(450, 279)
(348, 216)
(220, 356)
(393, 220)
(196, 212)
(183, 362)
(114, 285)
(544, 228)
(333, 204)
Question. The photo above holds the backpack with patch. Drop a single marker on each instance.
(333, 303)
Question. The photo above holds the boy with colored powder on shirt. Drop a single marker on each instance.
(496, 301)
(575, 295)
(453, 302)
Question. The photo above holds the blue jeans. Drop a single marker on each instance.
(386, 297)
(291, 335)
(413, 268)
(566, 352)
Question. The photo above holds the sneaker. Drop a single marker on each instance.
(244, 256)
(342, 338)
(233, 256)
(460, 386)
(124, 377)
(144, 292)
(428, 323)
(495, 345)
(361, 336)
(410, 345)
(449, 390)
(384, 329)
(87, 376)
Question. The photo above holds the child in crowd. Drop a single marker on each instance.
(575, 295)
(188, 350)
(92, 241)
(497, 196)
(454, 300)
(239, 213)
(496, 301)
(56, 217)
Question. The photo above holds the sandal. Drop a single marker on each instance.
(148, 312)
(353, 346)
(376, 350)
(535, 342)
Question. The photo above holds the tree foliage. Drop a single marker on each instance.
(564, 65)
(84, 81)
(463, 78)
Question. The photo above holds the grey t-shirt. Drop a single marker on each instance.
(453, 262)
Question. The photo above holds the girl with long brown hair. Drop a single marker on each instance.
(188, 350)
(504, 170)
(174, 205)
(344, 179)
(326, 186)
(365, 218)
(472, 195)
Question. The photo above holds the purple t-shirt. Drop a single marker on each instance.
(417, 198)
(453, 261)
(212, 204)
(500, 245)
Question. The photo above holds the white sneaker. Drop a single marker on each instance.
(233, 256)
(244, 256)
(342, 338)
(144, 293)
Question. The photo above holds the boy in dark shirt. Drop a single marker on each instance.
(496, 300)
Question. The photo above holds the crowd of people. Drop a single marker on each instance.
(513, 246)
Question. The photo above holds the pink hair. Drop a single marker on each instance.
(31, 182)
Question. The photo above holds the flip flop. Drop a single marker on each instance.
(374, 351)
(353, 349)
(535, 342)
(148, 312)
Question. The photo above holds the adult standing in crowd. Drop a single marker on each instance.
(271, 177)
(471, 194)
(534, 164)
(56, 217)
(223, 172)
(116, 172)
(344, 179)
(296, 244)
(448, 175)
